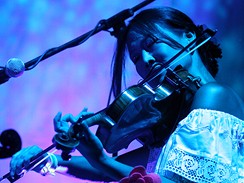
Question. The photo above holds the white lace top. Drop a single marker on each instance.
(207, 146)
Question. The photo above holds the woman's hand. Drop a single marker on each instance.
(89, 144)
(22, 159)
(62, 123)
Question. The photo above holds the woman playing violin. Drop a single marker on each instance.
(198, 139)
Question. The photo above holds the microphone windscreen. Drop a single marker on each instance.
(14, 67)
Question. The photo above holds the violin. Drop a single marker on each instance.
(132, 114)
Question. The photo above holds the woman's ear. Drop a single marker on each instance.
(189, 36)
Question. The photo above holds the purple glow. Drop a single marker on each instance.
(80, 76)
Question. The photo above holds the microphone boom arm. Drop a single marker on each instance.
(115, 22)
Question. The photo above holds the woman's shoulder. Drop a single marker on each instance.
(219, 97)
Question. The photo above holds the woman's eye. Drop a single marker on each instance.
(150, 41)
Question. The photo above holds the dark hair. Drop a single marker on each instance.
(145, 23)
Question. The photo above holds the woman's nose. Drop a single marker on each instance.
(147, 58)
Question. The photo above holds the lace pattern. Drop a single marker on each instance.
(207, 146)
(199, 169)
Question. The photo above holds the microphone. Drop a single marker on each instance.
(14, 68)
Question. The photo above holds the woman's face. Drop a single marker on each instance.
(145, 51)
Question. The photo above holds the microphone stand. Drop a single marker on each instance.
(115, 22)
(63, 141)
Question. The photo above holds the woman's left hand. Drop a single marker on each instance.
(90, 146)
(63, 123)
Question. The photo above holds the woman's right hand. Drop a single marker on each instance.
(22, 159)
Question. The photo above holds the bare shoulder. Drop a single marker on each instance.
(219, 97)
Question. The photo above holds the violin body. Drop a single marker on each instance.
(140, 112)
(131, 111)
(146, 114)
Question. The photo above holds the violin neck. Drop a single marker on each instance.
(99, 118)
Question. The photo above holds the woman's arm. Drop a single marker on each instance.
(79, 167)
(95, 161)
(93, 164)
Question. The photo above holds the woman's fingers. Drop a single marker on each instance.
(22, 159)
(62, 123)
(16, 162)
(85, 109)
(82, 114)
(57, 122)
